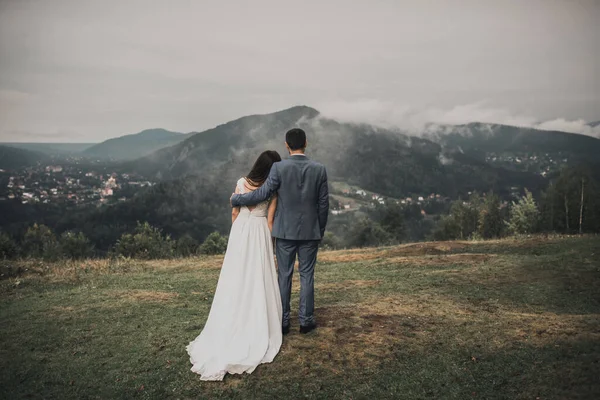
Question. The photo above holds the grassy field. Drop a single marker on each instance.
(509, 319)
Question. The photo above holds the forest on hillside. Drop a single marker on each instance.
(183, 217)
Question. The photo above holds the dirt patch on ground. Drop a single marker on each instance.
(531, 241)
(506, 274)
(365, 334)
(340, 256)
(547, 328)
(338, 286)
(188, 264)
(428, 249)
(406, 250)
(355, 337)
(446, 259)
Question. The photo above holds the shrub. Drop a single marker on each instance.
(524, 215)
(490, 218)
(8, 247)
(330, 241)
(390, 217)
(466, 216)
(215, 243)
(462, 222)
(75, 245)
(40, 242)
(367, 233)
(447, 229)
(186, 246)
(147, 242)
(126, 246)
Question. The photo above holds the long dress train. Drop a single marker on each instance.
(243, 328)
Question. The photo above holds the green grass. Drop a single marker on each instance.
(459, 320)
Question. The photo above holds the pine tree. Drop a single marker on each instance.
(524, 215)
(490, 218)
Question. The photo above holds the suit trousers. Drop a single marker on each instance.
(286, 251)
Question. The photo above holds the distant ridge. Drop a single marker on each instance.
(13, 157)
(51, 148)
(136, 145)
(486, 137)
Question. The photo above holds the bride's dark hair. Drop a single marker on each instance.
(260, 171)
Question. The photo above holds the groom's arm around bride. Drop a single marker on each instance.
(303, 197)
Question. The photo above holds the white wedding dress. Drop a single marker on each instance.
(243, 328)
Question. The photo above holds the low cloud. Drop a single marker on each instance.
(24, 136)
(445, 160)
(416, 121)
(576, 126)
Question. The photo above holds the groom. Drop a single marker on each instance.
(300, 219)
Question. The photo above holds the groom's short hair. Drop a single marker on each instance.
(295, 139)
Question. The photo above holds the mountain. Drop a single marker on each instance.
(494, 138)
(594, 124)
(220, 144)
(53, 149)
(198, 175)
(12, 157)
(380, 160)
(134, 146)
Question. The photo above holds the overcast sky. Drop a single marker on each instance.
(88, 70)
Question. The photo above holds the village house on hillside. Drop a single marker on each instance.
(54, 168)
(70, 183)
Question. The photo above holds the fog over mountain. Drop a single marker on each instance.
(419, 120)
(448, 159)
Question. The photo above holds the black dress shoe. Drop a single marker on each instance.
(285, 329)
(308, 328)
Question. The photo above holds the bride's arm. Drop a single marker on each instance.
(271, 212)
(235, 211)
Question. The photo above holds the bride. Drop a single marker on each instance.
(243, 328)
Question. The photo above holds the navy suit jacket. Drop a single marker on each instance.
(303, 198)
